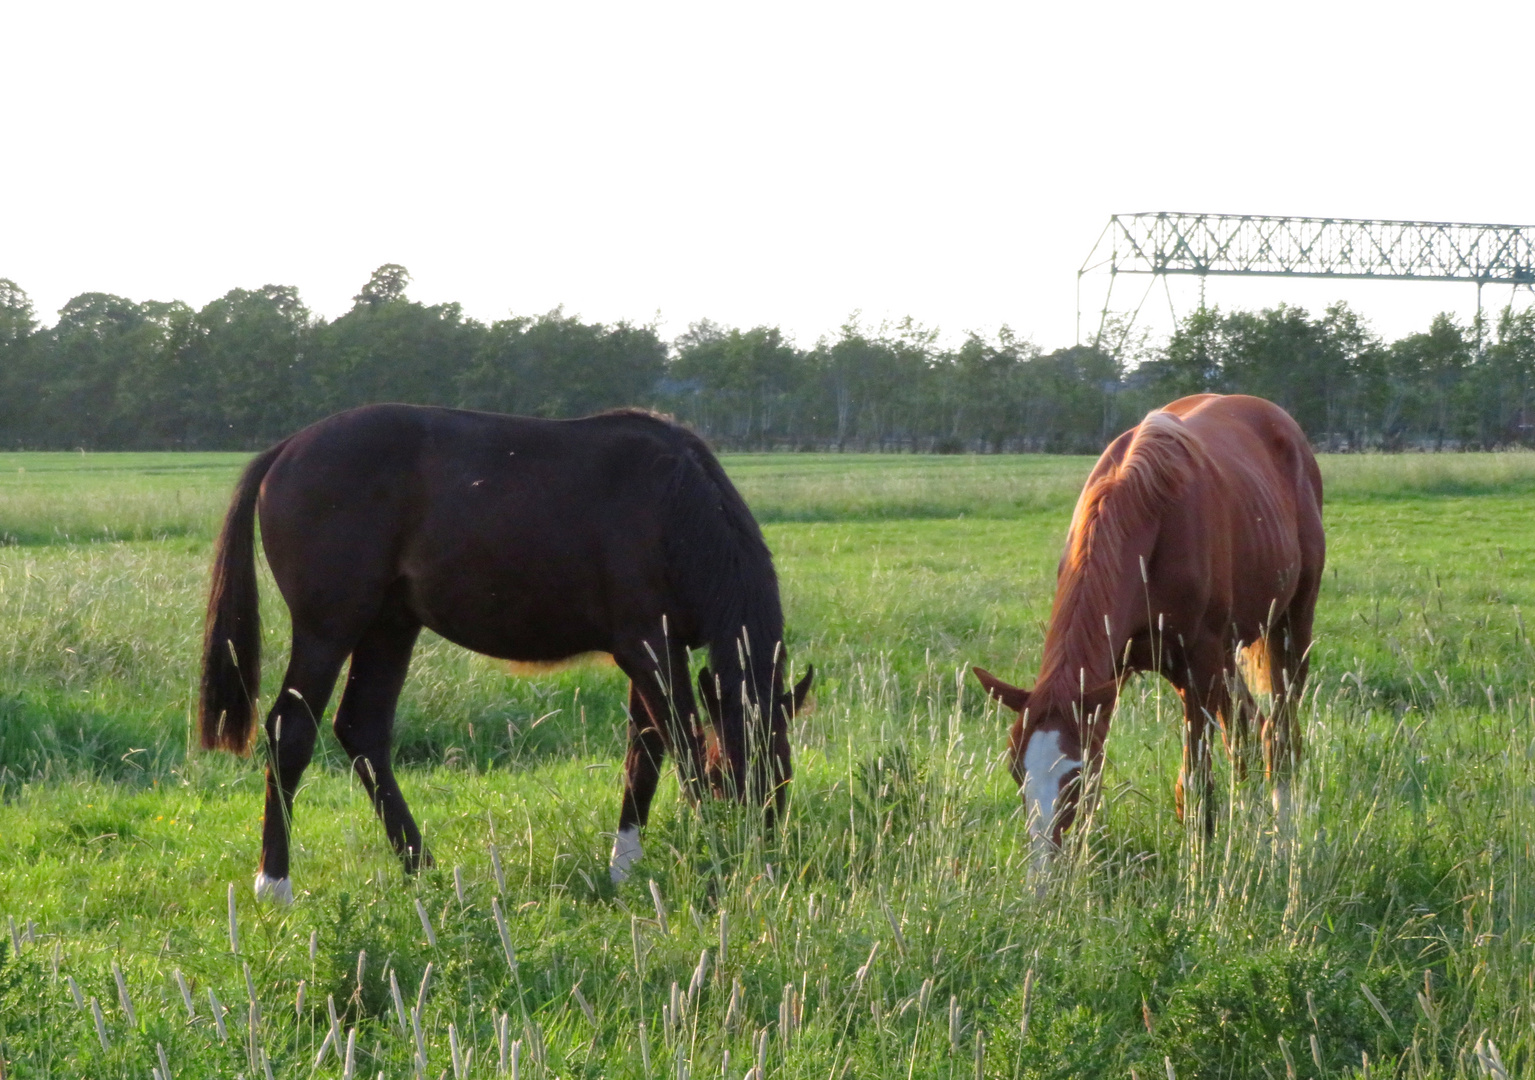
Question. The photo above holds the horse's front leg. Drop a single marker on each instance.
(1207, 701)
(642, 771)
(662, 716)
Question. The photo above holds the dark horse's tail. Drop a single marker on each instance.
(232, 640)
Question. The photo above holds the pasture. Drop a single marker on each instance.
(889, 931)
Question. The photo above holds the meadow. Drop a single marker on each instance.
(891, 929)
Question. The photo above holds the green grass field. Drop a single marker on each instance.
(890, 930)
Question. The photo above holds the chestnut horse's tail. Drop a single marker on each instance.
(232, 639)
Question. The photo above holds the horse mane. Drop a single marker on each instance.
(1124, 500)
(721, 566)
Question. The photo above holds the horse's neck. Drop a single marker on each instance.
(1100, 602)
(1081, 664)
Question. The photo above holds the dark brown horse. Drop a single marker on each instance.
(1197, 541)
(524, 539)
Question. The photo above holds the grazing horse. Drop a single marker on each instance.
(1196, 549)
(524, 539)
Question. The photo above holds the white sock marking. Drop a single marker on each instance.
(277, 890)
(626, 852)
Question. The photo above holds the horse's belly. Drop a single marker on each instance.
(513, 621)
(1265, 573)
(537, 645)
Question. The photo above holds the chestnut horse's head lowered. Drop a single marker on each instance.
(1046, 748)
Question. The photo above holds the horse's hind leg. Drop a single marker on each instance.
(1206, 688)
(1288, 650)
(364, 725)
(1248, 679)
(291, 728)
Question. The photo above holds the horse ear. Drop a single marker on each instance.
(802, 688)
(1013, 697)
(708, 693)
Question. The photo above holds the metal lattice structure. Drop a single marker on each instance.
(1163, 244)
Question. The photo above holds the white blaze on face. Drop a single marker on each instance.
(1044, 766)
(626, 852)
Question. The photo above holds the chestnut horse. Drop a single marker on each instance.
(1196, 549)
(524, 539)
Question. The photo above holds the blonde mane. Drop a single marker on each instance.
(1125, 499)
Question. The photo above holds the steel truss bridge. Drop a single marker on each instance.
(1164, 244)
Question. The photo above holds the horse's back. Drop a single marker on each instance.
(1258, 448)
(1252, 426)
(515, 536)
(1261, 496)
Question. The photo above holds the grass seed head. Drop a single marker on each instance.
(123, 999)
(101, 1025)
(660, 905)
(426, 924)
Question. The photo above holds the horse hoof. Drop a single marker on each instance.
(626, 852)
(277, 890)
(414, 862)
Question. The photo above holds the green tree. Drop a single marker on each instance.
(390, 348)
(98, 340)
(17, 327)
(1429, 373)
(1072, 399)
(1192, 361)
(877, 384)
(558, 366)
(1504, 382)
(1354, 382)
(991, 391)
(248, 362)
(1329, 373)
(162, 401)
(385, 286)
(743, 381)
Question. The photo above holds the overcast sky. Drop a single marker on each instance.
(778, 163)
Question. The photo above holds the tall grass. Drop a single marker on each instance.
(1397, 475)
(893, 928)
(901, 883)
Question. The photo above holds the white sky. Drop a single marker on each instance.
(778, 163)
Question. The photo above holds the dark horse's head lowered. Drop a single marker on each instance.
(732, 589)
(749, 756)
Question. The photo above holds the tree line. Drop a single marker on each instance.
(254, 365)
